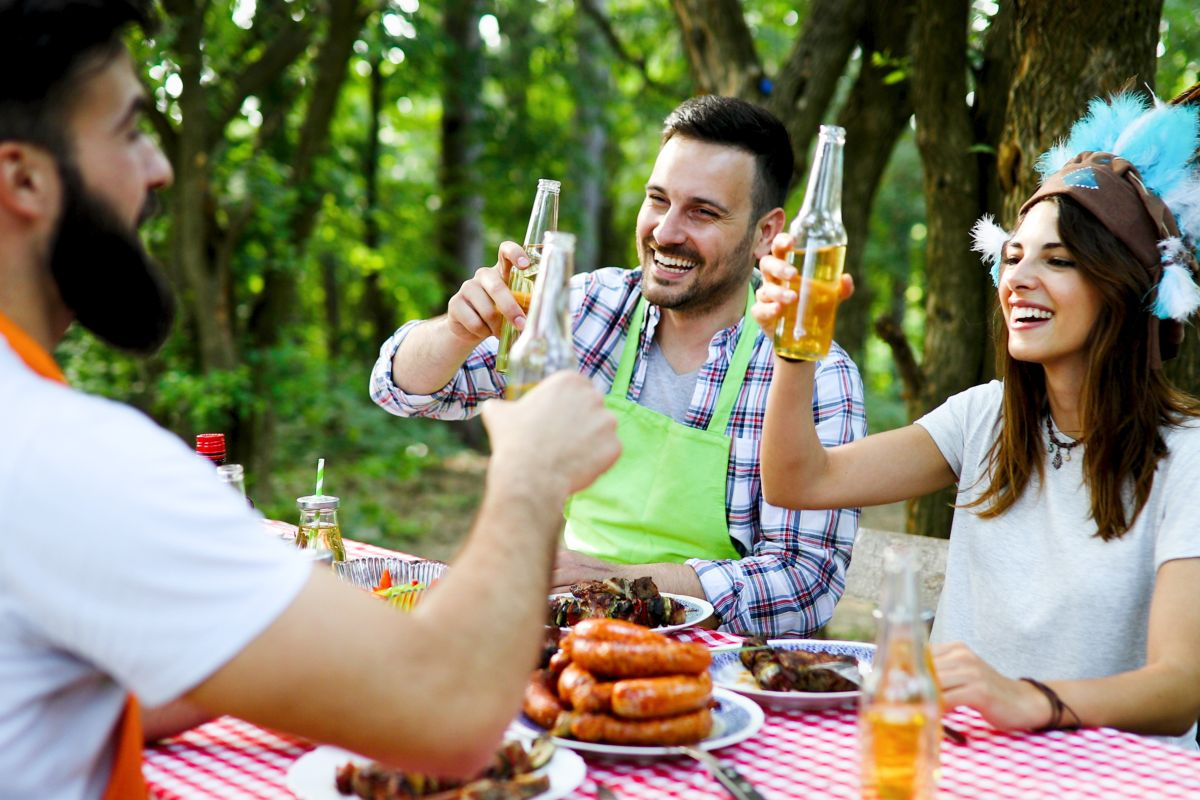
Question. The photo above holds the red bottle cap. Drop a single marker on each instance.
(210, 444)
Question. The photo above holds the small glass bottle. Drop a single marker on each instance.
(542, 219)
(805, 331)
(546, 345)
(900, 718)
(234, 476)
(212, 447)
(319, 531)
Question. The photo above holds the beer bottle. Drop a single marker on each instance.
(542, 219)
(546, 345)
(819, 250)
(900, 717)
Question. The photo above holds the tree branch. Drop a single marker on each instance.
(280, 54)
(590, 8)
(911, 376)
(720, 48)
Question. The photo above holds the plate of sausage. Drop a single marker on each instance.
(619, 689)
(788, 674)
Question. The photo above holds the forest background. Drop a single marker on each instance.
(343, 165)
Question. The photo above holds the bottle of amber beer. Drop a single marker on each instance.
(542, 219)
(806, 329)
(900, 716)
(546, 346)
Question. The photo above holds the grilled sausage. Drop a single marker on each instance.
(541, 703)
(640, 698)
(640, 659)
(615, 630)
(580, 688)
(558, 662)
(663, 731)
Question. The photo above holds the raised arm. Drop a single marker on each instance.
(432, 352)
(434, 689)
(797, 471)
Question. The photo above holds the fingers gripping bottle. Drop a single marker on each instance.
(805, 331)
(542, 220)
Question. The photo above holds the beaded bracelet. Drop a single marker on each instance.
(1057, 707)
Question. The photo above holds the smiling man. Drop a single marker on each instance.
(687, 377)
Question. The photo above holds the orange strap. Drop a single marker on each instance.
(30, 351)
(126, 781)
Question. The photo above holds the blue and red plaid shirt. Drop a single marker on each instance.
(793, 568)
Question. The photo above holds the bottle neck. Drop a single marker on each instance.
(823, 196)
(543, 218)
(549, 307)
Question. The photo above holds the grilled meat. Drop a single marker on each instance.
(636, 601)
(778, 670)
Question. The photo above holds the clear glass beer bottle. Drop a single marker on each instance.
(805, 331)
(543, 219)
(900, 718)
(546, 345)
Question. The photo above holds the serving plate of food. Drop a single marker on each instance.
(331, 773)
(788, 673)
(734, 719)
(620, 689)
(637, 600)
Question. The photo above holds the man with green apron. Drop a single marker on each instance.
(685, 372)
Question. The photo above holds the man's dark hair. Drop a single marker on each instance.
(46, 46)
(736, 123)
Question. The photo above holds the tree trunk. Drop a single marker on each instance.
(955, 329)
(377, 308)
(720, 48)
(590, 169)
(460, 218)
(874, 116)
(1110, 46)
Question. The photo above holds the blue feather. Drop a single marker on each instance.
(1159, 145)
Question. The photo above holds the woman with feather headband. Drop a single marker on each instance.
(1069, 597)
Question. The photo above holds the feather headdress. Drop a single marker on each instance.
(1130, 162)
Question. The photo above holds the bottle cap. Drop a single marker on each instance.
(317, 502)
(210, 444)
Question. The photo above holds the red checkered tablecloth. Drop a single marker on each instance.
(795, 755)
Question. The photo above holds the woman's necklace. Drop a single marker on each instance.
(1057, 446)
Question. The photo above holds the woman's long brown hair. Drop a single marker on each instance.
(1125, 404)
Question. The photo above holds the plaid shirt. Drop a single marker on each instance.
(793, 569)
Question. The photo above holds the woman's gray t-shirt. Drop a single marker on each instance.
(1034, 591)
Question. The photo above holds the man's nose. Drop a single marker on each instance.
(159, 173)
(669, 229)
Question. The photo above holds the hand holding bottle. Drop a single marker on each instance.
(483, 303)
(775, 296)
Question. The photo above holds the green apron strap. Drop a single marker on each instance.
(736, 373)
(620, 384)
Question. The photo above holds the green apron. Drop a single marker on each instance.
(664, 499)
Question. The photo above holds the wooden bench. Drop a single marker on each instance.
(852, 618)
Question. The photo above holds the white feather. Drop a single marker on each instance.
(1178, 295)
(989, 240)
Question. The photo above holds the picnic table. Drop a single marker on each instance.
(796, 754)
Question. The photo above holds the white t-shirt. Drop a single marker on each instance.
(124, 566)
(1035, 592)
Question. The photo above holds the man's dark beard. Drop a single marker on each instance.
(105, 276)
(701, 297)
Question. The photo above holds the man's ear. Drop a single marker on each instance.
(769, 226)
(29, 186)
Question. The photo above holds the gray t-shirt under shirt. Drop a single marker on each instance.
(1034, 592)
(665, 390)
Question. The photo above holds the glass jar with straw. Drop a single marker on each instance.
(319, 532)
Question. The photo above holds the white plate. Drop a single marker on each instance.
(311, 777)
(727, 671)
(735, 719)
(695, 610)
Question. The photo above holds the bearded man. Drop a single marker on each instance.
(128, 574)
(686, 374)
